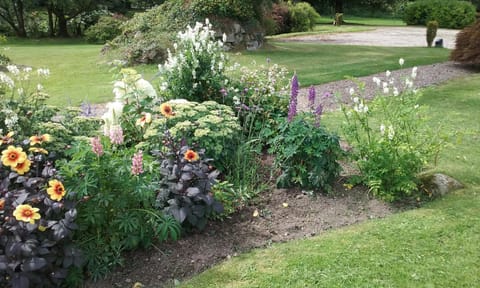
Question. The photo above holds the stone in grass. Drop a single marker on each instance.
(438, 184)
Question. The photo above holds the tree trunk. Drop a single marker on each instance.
(338, 6)
(51, 28)
(19, 14)
(62, 25)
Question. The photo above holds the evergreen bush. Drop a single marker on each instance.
(467, 45)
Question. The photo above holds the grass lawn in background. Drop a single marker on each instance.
(363, 21)
(433, 246)
(319, 63)
(77, 74)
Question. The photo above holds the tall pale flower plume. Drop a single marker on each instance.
(137, 163)
(292, 109)
(401, 61)
(97, 147)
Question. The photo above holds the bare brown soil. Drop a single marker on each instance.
(283, 215)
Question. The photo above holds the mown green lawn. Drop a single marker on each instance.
(433, 246)
(79, 72)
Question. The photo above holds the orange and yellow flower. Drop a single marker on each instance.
(22, 167)
(38, 150)
(7, 139)
(145, 119)
(2, 204)
(166, 110)
(26, 213)
(12, 156)
(191, 156)
(39, 139)
(56, 190)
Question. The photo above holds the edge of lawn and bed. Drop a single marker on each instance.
(433, 246)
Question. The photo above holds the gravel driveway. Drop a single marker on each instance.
(383, 36)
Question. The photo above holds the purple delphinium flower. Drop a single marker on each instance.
(137, 163)
(318, 115)
(311, 97)
(292, 109)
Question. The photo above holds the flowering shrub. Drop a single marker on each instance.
(391, 143)
(22, 105)
(117, 186)
(209, 125)
(186, 183)
(305, 152)
(195, 71)
(259, 97)
(37, 218)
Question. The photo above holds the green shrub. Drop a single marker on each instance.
(37, 217)
(106, 29)
(116, 188)
(306, 154)
(243, 10)
(391, 142)
(209, 125)
(303, 17)
(259, 97)
(281, 15)
(146, 37)
(22, 105)
(466, 45)
(432, 27)
(448, 13)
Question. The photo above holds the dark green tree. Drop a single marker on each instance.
(12, 12)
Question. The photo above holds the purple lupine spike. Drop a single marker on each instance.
(318, 115)
(311, 97)
(292, 109)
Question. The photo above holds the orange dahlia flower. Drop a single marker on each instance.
(22, 167)
(26, 213)
(166, 110)
(56, 190)
(39, 139)
(191, 156)
(12, 156)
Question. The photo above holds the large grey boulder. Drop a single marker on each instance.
(438, 184)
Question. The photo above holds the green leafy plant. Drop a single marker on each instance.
(259, 96)
(37, 218)
(186, 184)
(22, 105)
(117, 188)
(391, 142)
(306, 154)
